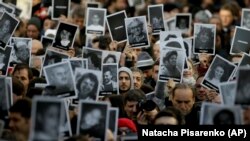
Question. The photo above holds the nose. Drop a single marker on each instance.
(134, 109)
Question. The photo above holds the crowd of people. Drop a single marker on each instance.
(130, 75)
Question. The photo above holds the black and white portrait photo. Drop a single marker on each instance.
(204, 38)
(95, 21)
(9, 90)
(188, 45)
(220, 70)
(245, 19)
(4, 101)
(4, 59)
(227, 92)
(76, 63)
(242, 89)
(116, 26)
(6, 8)
(171, 39)
(17, 11)
(47, 117)
(169, 24)
(21, 51)
(46, 42)
(52, 57)
(8, 25)
(60, 76)
(93, 119)
(155, 16)
(244, 62)
(94, 57)
(65, 36)
(65, 129)
(171, 64)
(240, 42)
(218, 114)
(60, 8)
(137, 31)
(111, 57)
(109, 79)
(113, 120)
(183, 22)
(87, 84)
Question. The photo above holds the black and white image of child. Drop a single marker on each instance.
(183, 23)
(65, 36)
(95, 21)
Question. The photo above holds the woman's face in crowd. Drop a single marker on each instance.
(219, 71)
(51, 120)
(93, 118)
(87, 86)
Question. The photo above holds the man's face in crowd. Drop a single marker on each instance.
(107, 77)
(155, 72)
(23, 76)
(61, 76)
(19, 124)
(79, 21)
(200, 90)
(183, 100)
(124, 81)
(137, 80)
(130, 108)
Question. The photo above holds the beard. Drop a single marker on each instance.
(189, 80)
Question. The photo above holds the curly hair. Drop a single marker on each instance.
(169, 54)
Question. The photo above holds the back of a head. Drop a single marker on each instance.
(18, 87)
(134, 95)
(23, 107)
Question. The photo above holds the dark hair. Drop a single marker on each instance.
(92, 77)
(171, 112)
(224, 112)
(21, 66)
(22, 106)
(110, 56)
(116, 101)
(169, 54)
(134, 95)
(212, 72)
(78, 11)
(18, 87)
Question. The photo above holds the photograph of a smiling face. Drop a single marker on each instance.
(220, 70)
